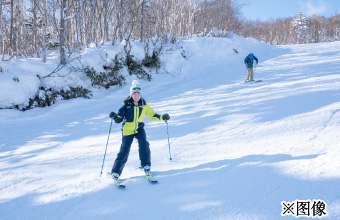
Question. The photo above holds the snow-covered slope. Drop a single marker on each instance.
(238, 150)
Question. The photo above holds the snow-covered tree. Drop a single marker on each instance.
(24, 24)
(300, 26)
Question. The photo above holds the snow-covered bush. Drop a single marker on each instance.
(136, 68)
(215, 33)
(105, 79)
(48, 97)
(52, 44)
(151, 61)
(111, 74)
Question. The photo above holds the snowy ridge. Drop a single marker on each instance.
(238, 150)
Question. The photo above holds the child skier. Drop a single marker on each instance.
(132, 113)
(249, 62)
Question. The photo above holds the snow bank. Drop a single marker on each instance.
(17, 88)
(173, 62)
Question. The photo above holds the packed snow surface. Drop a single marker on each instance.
(239, 149)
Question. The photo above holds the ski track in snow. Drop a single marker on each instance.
(238, 150)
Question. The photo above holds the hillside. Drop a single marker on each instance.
(238, 150)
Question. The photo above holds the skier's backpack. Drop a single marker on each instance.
(249, 60)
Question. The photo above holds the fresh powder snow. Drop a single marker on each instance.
(239, 149)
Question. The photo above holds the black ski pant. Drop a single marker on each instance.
(122, 156)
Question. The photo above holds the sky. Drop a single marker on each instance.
(266, 9)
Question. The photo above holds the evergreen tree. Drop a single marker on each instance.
(300, 26)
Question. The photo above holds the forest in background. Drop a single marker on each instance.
(30, 27)
(293, 30)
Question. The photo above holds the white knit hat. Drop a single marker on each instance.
(135, 87)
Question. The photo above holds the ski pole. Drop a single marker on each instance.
(108, 137)
(167, 131)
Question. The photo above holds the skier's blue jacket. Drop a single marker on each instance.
(249, 60)
(133, 116)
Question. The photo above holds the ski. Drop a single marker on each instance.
(118, 184)
(254, 81)
(149, 176)
(151, 179)
(115, 182)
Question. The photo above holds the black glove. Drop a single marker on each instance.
(166, 117)
(113, 115)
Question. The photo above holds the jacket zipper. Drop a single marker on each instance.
(136, 118)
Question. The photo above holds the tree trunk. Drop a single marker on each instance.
(142, 21)
(62, 33)
(35, 31)
(43, 46)
(11, 31)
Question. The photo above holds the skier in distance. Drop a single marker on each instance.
(249, 62)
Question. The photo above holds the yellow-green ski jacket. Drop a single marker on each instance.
(133, 116)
